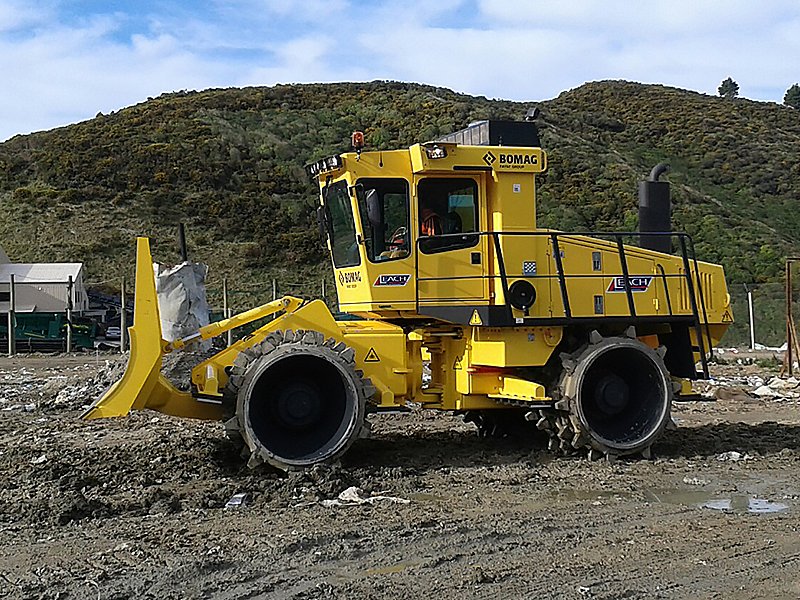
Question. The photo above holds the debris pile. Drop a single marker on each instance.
(77, 395)
(751, 388)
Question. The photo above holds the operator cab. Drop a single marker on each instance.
(408, 230)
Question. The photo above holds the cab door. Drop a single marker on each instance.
(450, 252)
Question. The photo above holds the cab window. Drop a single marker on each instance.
(447, 207)
(342, 227)
(383, 206)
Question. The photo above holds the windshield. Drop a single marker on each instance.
(343, 230)
(388, 238)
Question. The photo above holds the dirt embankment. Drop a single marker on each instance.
(135, 507)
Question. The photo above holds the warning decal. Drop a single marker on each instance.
(457, 364)
(475, 319)
(726, 317)
(372, 356)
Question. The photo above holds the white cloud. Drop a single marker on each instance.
(66, 74)
(61, 67)
(15, 14)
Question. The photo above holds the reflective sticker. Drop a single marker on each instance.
(638, 283)
(391, 280)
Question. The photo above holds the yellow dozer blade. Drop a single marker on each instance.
(143, 385)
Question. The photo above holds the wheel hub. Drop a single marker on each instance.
(612, 394)
(298, 405)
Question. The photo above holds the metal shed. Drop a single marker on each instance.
(43, 287)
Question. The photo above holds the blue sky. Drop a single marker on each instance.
(65, 61)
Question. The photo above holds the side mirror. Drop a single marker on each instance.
(374, 208)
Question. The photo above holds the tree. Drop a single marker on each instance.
(792, 97)
(728, 89)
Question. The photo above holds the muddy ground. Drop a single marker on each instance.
(135, 507)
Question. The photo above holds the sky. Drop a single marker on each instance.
(65, 61)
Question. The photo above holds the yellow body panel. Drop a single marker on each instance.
(513, 347)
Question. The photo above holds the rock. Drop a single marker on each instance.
(730, 393)
(765, 392)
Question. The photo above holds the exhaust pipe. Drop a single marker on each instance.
(654, 211)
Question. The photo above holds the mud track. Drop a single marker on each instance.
(135, 508)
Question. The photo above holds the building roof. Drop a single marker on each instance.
(41, 272)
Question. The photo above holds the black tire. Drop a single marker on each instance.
(614, 399)
(297, 400)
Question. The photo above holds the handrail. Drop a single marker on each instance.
(691, 273)
(693, 302)
(503, 276)
(666, 287)
(623, 263)
(700, 291)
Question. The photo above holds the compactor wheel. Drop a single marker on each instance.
(298, 399)
(614, 399)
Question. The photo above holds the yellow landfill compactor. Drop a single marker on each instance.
(436, 253)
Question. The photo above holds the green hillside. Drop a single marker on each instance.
(229, 163)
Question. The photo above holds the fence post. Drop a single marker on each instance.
(324, 297)
(752, 318)
(226, 312)
(69, 314)
(789, 331)
(12, 333)
(274, 289)
(123, 318)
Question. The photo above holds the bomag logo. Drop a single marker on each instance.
(638, 283)
(346, 277)
(519, 159)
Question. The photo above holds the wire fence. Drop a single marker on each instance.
(765, 324)
(768, 315)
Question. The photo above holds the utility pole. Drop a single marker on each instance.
(69, 315)
(752, 318)
(12, 333)
(182, 242)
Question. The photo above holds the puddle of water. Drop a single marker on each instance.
(760, 506)
(580, 495)
(722, 504)
(737, 503)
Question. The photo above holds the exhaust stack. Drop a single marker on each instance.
(655, 211)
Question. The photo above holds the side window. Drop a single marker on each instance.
(343, 229)
(383, 206)
(448, 208)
